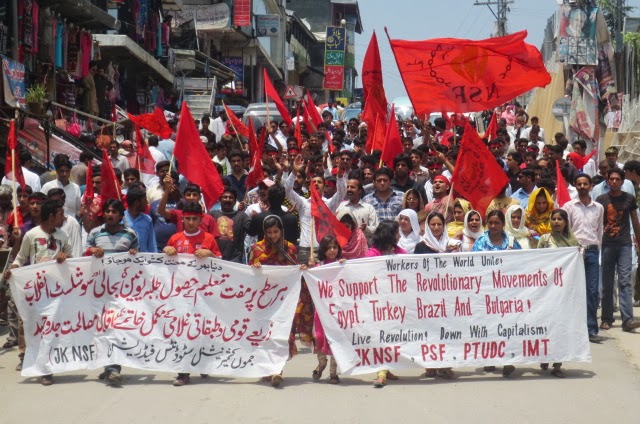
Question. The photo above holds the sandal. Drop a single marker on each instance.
(334, 379)
(391, 376)
(430, 373)
(316, 375)
(446, 373)
(9, 344)
(605, 326)
(276, 380)
(544, 367)
(381, 381)
(557, 371)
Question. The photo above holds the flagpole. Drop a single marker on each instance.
(446, 208)
(14, 194)
(375, 129)
(234, 130)
(312, 258)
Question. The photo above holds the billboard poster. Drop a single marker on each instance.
(577, 34)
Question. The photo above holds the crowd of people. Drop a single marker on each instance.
(403, 207)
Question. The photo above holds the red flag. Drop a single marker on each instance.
(194, 161)
(313, 111)
(467, 75)
(272, 94)
(326, 222)
(256, 174)
(236, 123)
(12, 159)
(146, 164)
(447, 121)
(297, 132)
(376, 134)
(492, 130)
(110, 186)
(89, 193)
(114, 113)
(375, 100)
(153, 122)
(562, 191)
(392, 143)
(477, 175)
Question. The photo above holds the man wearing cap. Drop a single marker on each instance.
(442, 202)
(612, 154)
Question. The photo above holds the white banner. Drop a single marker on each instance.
(453, 310)
(156, 312)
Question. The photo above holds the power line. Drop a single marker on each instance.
(500, 14)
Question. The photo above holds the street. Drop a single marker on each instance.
(606, 390)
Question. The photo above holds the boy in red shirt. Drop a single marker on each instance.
(193, 241)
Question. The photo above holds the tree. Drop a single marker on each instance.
(609, 9)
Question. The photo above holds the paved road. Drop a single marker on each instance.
(604, 391)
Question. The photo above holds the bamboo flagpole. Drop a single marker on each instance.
(312, 256)
(234, 129)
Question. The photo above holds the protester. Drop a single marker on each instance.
(472, 230)
(356, 247)
(436, 238)
(516, 230)
(409, 230)
(539, 211)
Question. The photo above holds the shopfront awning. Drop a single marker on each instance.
(123, 49)
(172, 5)
(31, 135)
(85, 14)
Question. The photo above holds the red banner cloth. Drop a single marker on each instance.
(326, 223)
(256, 174)
(110, 186)
(236, 123)
(12, 146)
(312, 111)
(194, 161)
(467, 75)
(562, 191)
(154, 122)
(271, 94)
(492, 129)
(146, 164)
(393, 142)
(477, 175)
(375, 100)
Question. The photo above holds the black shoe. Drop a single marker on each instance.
(594, 338)
(630, 325)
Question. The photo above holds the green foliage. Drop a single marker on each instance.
(36, 94)
(608, 8)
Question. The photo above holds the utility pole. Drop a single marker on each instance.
(618, 36)
(500, 15)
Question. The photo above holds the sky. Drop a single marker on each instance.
(425, 19)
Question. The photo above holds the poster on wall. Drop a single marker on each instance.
(13, 82)
(577, 34)
(267, 25)
(236, 86)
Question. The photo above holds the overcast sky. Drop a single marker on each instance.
(424, 19)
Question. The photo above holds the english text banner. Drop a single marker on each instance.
(453, 310)
(155, 312)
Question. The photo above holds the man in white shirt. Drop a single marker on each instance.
(30, 178)
(71, 190)
(219, 125)
(364, 213)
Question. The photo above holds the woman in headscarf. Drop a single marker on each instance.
(456, 227)
(560, 236)
(472, 230)
(413, 200)
(436, 239)
(409, 230)
(357, 246)
(495, 238)
(515, 229)
(539, 211)
(274, 249)
(385, 242)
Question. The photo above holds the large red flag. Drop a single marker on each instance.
(375, 100)
(273, 95)
(466, 75)
(256, 174)
(314, 115)
(562, 191)
(236, 123)
(297, 132)
(326, 222)
(477, 175)
(492, 130)
(146, 163)
(377, 133)
(393, 142)
(110, 186)
(194, 161)
(153, 122)
(12, 159)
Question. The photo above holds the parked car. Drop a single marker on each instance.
(351, 111)
(257, 112)
(238, 110)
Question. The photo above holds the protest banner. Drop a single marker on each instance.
(453, 310)
(156, 312)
